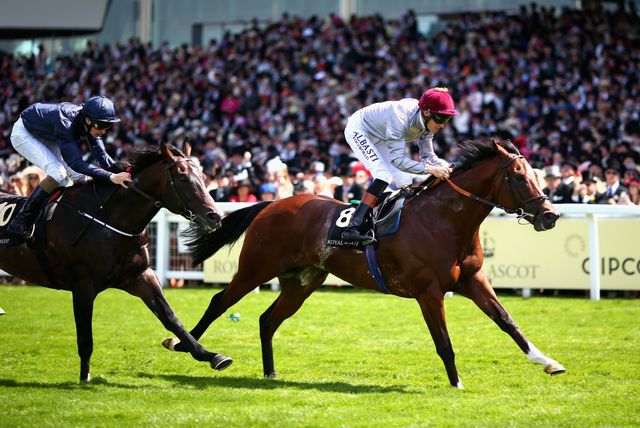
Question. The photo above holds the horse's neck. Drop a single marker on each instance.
(130, 210)
(462, 213)
(120, 208)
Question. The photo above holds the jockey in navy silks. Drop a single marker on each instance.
(50, 136)
(378, 135)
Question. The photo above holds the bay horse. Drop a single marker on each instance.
(436, 249)
(96, 239)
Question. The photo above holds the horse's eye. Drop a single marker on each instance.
(520, 178)
(183, 178)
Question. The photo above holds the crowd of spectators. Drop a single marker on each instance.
(265, 109)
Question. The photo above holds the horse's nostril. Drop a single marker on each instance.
(550, 218)
(213, 216)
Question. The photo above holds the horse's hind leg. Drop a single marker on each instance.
(83, 313)
(432, 307)
(294, 292)
(478, 289)
(149, 290)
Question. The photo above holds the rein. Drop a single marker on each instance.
(520, 212)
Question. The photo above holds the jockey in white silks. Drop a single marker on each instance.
(378, 135)
(51, 136)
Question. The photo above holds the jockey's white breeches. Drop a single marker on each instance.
(374, 157)
(44, 154)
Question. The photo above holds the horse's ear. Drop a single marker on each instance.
(501, 150)
(187, 150)
(166, 152)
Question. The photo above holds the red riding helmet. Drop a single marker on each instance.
(438, 101)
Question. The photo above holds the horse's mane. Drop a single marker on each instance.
(471, 152)
(142, 157)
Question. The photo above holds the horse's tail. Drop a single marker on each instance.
(232, 228)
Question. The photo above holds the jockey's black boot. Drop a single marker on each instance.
(22, 225)
(356, 231)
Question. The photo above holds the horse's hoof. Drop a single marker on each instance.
(271, 375)
(85, 380)
(554, 369)
(170, 343)
(221, 362)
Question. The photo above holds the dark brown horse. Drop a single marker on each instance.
(96, 239)
(435, 250)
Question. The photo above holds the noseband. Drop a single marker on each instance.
(185, 211)
(520, 212)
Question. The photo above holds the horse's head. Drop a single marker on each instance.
(520, 192)
(176, 183)
(185, 190)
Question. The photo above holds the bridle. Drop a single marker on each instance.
(185, 211)
(520, 212)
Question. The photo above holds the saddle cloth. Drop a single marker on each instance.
(385, 219)
(10, 206)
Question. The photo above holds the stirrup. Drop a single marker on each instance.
(33, 231)
(362, 238)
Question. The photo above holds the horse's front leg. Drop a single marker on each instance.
(432, 306)
(478, 289)
(83, 299)
(246, 279)
(148, 288)
(294, 293)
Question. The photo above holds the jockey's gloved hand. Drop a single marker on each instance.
(121, 178)
(120, 166)
(439, 171)
(432, 159)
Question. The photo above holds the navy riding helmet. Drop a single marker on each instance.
(100, 109)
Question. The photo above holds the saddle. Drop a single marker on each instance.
(385, 218)
(385, 221)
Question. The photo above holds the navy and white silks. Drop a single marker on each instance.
(48, 136)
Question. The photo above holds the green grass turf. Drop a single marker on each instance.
(345, 359)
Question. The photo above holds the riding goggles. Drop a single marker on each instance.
(440, 118)
(101, 125)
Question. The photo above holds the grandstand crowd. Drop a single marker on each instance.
(265, 109)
